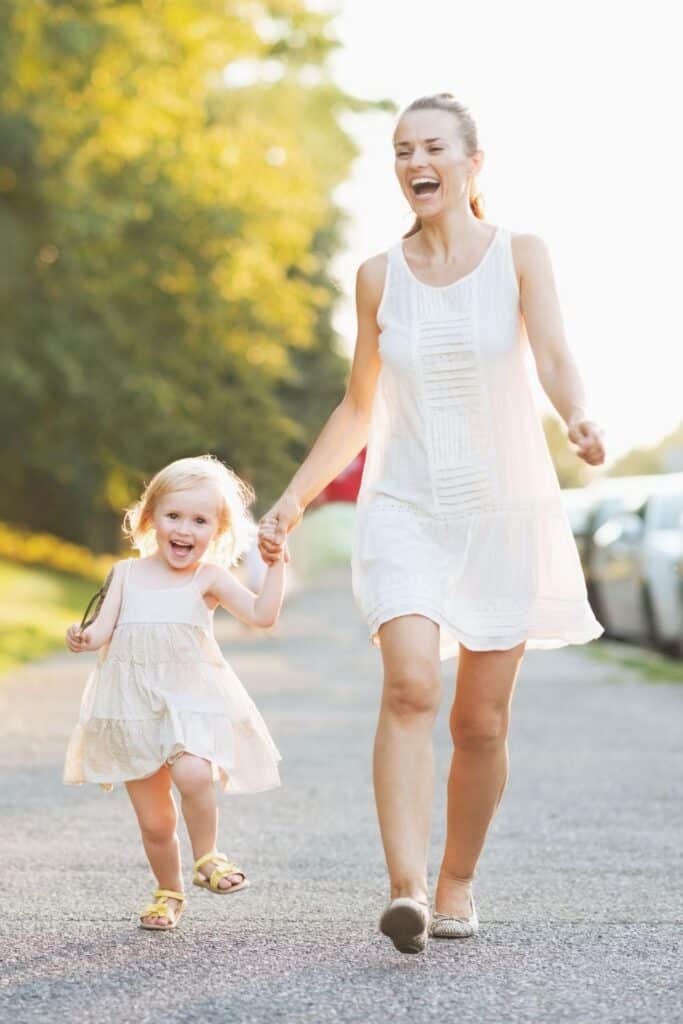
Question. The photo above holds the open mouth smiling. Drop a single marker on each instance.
(181, 548)
(423, 187)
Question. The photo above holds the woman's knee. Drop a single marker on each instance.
(480, 731)
(413, 689)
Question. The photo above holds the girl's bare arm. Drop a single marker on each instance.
(99, 632)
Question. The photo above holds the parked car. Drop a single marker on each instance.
(606, 497)
(635, 563)
(577, 505)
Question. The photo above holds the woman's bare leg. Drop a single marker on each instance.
(403, 754)
(155, 808)
(479, 767)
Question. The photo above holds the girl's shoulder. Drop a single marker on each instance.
(208, 572)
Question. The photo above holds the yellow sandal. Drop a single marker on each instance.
(161, 908)
(225, 868)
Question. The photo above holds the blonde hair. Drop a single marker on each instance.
(236, 526)
(468, 132)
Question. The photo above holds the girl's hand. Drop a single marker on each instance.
(77, 640)
(588, 436)
(274, 527)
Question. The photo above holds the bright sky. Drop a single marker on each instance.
(577, 106)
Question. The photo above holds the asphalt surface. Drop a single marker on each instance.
(578, 889)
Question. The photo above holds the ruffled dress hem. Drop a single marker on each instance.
(221, 774)
(537, 638)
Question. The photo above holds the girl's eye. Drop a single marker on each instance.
(200, 521)
(172, 515)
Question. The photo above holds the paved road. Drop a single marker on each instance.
(579, 887)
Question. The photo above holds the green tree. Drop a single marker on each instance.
(168, 288)
(664, 457)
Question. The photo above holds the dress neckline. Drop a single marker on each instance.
(158, 590)
(445, 287)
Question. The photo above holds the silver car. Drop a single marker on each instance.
(635, 565)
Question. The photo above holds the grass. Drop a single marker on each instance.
(36, 606)
(652, 666)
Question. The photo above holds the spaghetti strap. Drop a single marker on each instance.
(126, 571)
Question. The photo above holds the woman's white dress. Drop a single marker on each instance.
(460, 516)
(162, 688)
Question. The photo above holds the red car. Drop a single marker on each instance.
(344, 487)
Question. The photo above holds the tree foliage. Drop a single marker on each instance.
(166, 243)
(664, 457)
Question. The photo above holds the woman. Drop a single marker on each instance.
(462, 544)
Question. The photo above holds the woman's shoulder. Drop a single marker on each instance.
(529, 251)
(527, 244)
(371, 276)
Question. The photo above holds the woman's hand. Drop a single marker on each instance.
(78, 640)
(588, 436)
(274, 526)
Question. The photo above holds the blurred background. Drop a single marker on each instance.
(186, 191)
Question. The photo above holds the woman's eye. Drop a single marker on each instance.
(436, 149)
(200, 521)
(172, 515)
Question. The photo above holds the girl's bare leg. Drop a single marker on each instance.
(194, 779)
(155, 808)
(403, 754)
(479, 767)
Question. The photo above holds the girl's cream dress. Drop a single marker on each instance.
(161, 688)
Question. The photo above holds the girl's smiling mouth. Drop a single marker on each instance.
(181, 548)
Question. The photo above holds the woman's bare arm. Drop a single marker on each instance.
(557, 369)
(346, 430)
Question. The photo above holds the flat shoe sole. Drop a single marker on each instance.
(161, 927)
(222, 892)
(404, 924)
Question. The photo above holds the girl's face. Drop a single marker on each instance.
(186, 522)
(430, 162)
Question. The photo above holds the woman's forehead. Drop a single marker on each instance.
(423, 125)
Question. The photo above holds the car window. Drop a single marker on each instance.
(666, 511)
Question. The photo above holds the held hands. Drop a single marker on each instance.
(274, 527)
(588, 436)
(78, 640)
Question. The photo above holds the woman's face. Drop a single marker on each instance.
(430, 162)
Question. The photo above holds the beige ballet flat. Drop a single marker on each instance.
(443, 926)
(406, 923)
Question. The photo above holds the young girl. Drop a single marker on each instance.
(163, 706)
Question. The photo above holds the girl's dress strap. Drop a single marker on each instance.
(126, 570)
